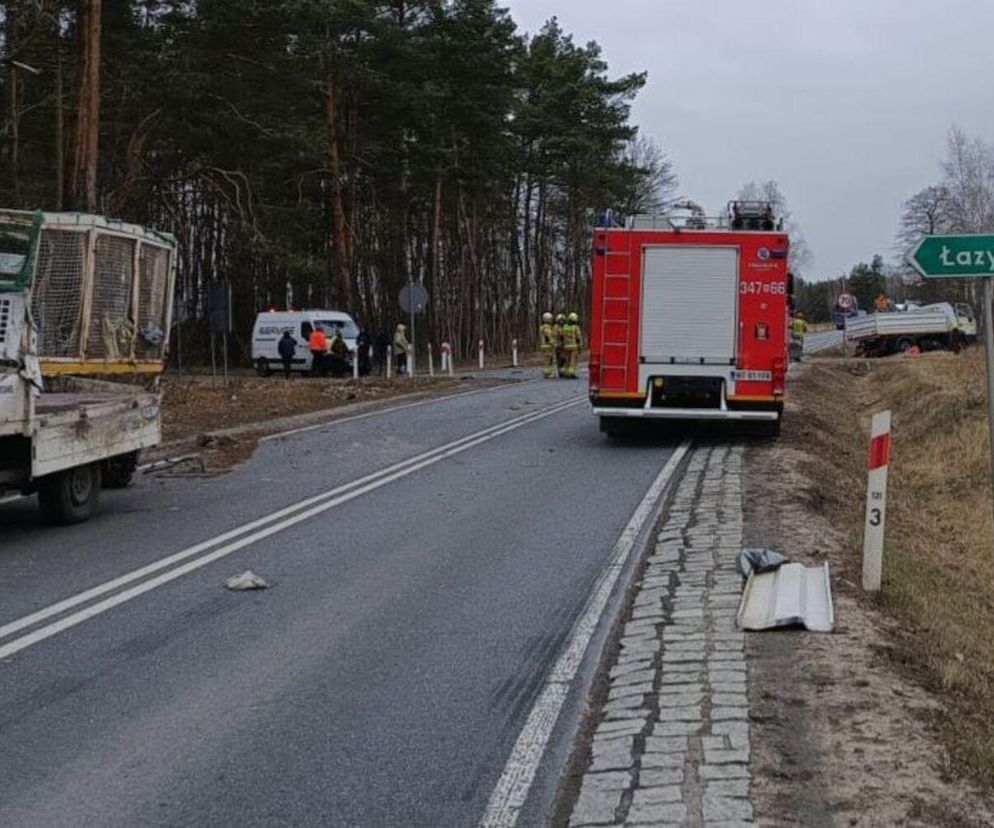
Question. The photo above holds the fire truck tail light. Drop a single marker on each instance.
(779, 375)
(762, 332)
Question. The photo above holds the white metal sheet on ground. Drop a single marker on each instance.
(789, 596)
(689, 304)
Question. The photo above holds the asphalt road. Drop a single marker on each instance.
(822, 341)
(383, 678)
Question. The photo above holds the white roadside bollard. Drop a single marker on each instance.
(431, 361)
(514, 353)
(410, 362)
(389, 365)
(447, 365)
(479, 349)
(876, 502)
(372, 360)
(355, 363)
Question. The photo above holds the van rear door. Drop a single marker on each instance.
(689, 304)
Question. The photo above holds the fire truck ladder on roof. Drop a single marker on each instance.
(616, 318)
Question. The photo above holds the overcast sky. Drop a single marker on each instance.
(846, 103)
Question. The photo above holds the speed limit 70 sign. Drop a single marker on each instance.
(846, 301)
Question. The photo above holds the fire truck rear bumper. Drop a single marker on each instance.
(688, 414)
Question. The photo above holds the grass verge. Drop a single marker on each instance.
(939, 556)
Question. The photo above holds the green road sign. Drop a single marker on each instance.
(954, 257)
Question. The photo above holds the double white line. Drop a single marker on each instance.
(195, 557)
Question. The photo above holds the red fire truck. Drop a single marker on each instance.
(690, 318)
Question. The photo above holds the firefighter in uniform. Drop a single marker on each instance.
(572, 343)
(547, 341)
(560, 354)
(798, 330)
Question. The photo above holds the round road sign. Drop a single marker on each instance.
(847, 301)
(413, 298)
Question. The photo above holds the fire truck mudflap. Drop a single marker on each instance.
(689, 320)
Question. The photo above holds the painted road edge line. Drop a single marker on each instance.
(511, 791)
(43, 633)
(97, 591)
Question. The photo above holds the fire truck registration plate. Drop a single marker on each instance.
(752, 376)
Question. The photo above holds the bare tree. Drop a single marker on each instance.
(968, 179)
(926, 213)
(800, 256)
(656, 187)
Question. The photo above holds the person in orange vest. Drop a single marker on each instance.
(318, 345)
(882, 303)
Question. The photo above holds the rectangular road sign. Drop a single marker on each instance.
(954, 257)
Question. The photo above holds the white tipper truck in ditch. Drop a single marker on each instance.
(85, 310)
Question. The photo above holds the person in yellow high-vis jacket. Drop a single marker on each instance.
(558, 329)
(547, 342)
(572, 344)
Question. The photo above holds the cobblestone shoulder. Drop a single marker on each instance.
(671, 746)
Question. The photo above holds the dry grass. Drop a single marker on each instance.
(939, 559)
(191, 407)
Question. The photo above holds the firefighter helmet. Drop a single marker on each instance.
(546, 317)
(560, 317)
(573, 318)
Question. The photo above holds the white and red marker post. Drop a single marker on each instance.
(514, 353)
(876, 502)
(479, 348)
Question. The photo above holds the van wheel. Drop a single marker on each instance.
(262, 367)
(70, 496)
(905, 344)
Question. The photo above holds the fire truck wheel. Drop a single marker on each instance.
(767, 429)
(614, 427)
(70, 496)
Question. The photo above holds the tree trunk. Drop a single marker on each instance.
(87, 147)
(340, 237)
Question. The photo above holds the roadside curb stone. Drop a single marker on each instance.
(678, 691)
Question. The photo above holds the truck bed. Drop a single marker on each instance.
(910, 323)
(72, 429)
(54, 403)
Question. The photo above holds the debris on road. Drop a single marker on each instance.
(789, 595)
(248, 580)
(759, 560)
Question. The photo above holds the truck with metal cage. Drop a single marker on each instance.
(689, 318)
(85, 310)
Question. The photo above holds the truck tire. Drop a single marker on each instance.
(904, 344)
(118, 471)
(262, 367)
(70, 496)
(614, 427)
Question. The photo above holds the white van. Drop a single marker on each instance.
(269, 327)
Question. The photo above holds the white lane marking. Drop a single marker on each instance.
(515, 782)
(382, 479)
(339, 421)
(137, 574)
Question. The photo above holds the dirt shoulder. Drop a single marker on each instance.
(221, 425)
(859, 727)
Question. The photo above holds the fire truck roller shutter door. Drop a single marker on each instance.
(690, 304)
